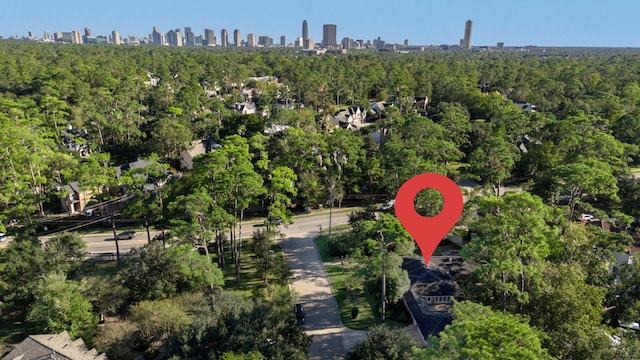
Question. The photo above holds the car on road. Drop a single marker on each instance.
(299, 313)
(388, 205)
(277, 220)
(3, 237)
(126, 235)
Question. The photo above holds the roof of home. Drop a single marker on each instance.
(53, 346)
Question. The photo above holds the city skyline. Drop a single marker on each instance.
(548, 23)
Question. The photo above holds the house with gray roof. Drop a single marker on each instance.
(53, 346)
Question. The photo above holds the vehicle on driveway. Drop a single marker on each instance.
(126, 235)
(299, 314)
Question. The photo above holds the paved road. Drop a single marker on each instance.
(310, 282)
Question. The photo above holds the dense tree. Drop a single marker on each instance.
(60, 306)
(22, 264)
(511, 242)
(155, 273)
(382, 343)
(493, 161)
(65, 251)
(477, 332)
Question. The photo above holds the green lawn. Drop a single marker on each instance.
(251, 285)
(338, 279)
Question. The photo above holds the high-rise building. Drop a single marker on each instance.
(308, 44)
(209, 37)
(46, 35)
(224, 38)
(76, 38)
(251, 40)
(283, 41)
(115, 37)
(86, 36)
(236, 38)
(329, 35)
(156, 37)
(265, 41)
(305, 30)
(174, 37)
(466, 41)
(189, 37)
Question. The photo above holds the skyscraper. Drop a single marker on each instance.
(251, 40)
(115, 37)
(329, 35)
(236, 38)
(283, 41)
(209, 37)
(224, 38)
(156, 37)
(466, 41)
(305, 30)
(75, 37)
(174, 37)
(189, 37)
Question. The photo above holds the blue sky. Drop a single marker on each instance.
(425, 22)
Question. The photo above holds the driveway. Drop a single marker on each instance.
(331, 340)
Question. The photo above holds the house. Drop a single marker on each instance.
(352, 117)
(246, 108)
(53, 346)
(75, 198)
(433, 291)
(198, 147)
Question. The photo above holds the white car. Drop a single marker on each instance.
(3, 237)
(586, 217)
(388, 205)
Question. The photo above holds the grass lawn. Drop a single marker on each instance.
(251, 284)
(13, 329)
(338, 279)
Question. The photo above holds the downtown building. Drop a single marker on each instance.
(329, 35)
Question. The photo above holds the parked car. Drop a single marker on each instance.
(299, 313)
(126, 235)
(3, 237)
(277, 220)
(388, 205)
(586, 217)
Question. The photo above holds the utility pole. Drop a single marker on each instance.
(115, 235)
(146, 225)
(384, 278)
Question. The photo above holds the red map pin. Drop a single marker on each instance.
(428, 231)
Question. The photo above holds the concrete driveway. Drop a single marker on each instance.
(331, 340)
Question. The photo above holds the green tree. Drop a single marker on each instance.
(569, 311)
(155, 273)
(65, 251)
(22, 264)
(60, 306)
(282, 188)
(493, 161)
(477, 332)
(591, 177)
(158, 319)
(510, 244)
(383, 342)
